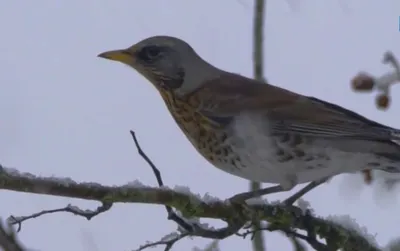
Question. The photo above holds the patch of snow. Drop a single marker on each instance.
(258, 201)
(78, 210)
(393, 245)
(209, 199)
(213, 246)
(170, 236)
(164, 187)
(63, 181)
(91, 184)
(10, 171)
(186, 190)
(350, 224)
(304, 205)
(135, 184)
(275, 202)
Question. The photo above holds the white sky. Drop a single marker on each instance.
(66, 112)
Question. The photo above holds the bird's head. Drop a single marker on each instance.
(167, 62)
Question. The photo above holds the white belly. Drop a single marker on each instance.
(260, 162)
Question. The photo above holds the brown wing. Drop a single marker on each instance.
(231, 94)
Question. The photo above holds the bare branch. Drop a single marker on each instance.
(168, 240)
(88, 214)
(186, 227)
(171, 214)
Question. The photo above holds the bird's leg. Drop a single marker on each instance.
(242, 197)
(304, 190)
(287, 184)
(239, 200)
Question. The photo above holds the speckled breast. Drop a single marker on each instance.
(211, 142)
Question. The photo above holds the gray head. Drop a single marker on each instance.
(169, 63)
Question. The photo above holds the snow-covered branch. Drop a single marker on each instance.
(189, 204)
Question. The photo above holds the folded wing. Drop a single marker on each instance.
(287, 112)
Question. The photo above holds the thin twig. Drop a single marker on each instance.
(168, 241)
(310, 238)
(171, 214)
(88, 214)
(189, 229)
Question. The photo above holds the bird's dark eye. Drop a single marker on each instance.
(149, 53)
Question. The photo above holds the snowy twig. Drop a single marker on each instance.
(88, 214)
(168, 241)
(365, 82)
(8, 240)
(189, 205)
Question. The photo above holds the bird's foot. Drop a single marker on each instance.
(287, 204)
(238, 201)
(365, 82)
(286, 184)
(292, 199)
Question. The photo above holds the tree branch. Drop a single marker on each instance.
(190, 205)
(88, 214)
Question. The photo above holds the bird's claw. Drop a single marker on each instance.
(242, 209)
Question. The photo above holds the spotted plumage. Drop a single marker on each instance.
(254, 130)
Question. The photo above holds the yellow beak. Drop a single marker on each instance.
(117, 55)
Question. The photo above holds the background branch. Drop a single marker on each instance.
(258, 66)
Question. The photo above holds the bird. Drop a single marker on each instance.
(256, 130)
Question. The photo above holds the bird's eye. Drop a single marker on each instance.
(149, 53)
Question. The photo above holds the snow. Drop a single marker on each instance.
(350, 223)
(209, 199)
(393, 245)
(304, 205)
(258, 201)
(170, 236)
(64, 181)
(135, 184)
(213, 246)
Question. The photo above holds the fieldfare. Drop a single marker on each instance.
(255, 130)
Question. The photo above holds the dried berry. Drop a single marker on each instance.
(382, 101)
(363, 82)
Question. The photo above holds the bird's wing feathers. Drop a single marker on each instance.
(232, 94)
